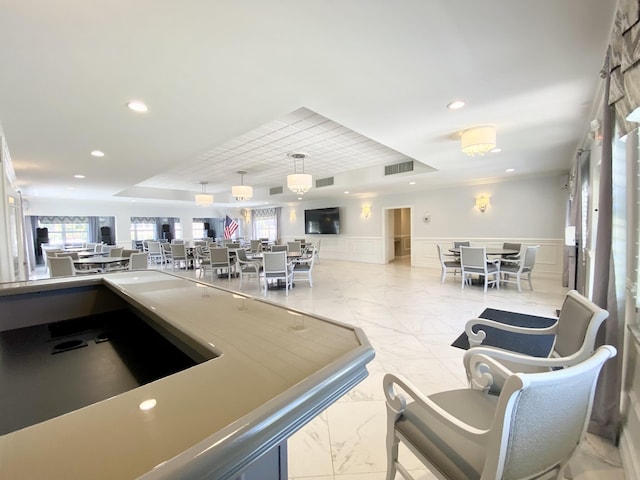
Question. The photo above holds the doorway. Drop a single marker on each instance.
(397, 234)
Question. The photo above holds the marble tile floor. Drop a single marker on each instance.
(411, 319)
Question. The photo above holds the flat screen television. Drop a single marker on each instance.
(322, 220)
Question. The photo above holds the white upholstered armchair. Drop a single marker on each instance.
(531, 430)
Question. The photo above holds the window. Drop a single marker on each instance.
(63, 233)
(143, 231)
(198, 230)
(178, 229)
(266, 224)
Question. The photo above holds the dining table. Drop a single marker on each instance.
(100, 262)
(490, 251)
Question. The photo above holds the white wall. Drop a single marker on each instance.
(530, 211)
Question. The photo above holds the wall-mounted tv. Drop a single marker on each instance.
(322, 220)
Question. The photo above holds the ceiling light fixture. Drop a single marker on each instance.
(204, 199)
(478, 140)
(242, 191)
(455, 105)
(299, 183)
(137, 106)
(78, 176)
(97, 153)
(509, 170)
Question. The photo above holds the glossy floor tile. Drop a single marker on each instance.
(411, 320)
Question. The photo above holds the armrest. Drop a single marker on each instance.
(476, 338)
(396, 402)
(519, 358)
(483, 372)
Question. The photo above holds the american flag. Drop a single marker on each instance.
(230, 227)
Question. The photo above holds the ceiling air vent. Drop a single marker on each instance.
(398, 168)
(324, 182)
(275, 190)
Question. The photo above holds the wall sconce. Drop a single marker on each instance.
(292, 215)
(482, 202)
(365, 211)
(247, 215)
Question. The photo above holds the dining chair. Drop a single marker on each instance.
(61, 266)
(279, 248)
(49, 251)
(575, 337)
(474, 261)
(220, 260)
(139, 261)
(453, 263)
(247, 267)
(517, 268)
(202, 260)
(155, 252)
(512, 246)
(276, 267)
(294, 247)
(317, 250)
(116, 252)
(167, 258)
(531, 430)
(256, 246)
(178, 254)
(461, 244)
(303, 267)
(127, 252)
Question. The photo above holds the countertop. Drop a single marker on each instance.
(276, 369)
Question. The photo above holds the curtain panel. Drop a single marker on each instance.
(624, 63)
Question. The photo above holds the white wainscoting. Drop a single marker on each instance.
(423, 250)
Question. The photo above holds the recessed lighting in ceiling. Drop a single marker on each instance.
(495, 150)
(299, 198)
(97, 153)
(137, 106)
(455, 105)
(78, 176)
(346, 192)
(509, 170)
(412, 183)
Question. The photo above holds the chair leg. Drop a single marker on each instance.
(530, 284)
(392, 455)
(444, 272)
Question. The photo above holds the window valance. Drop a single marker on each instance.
(623, 63)
(266, 212)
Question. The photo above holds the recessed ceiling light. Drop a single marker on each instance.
(496, 150)
(97, 153)
(455, 105)
(299, 198)
(509, 170)
(346, 192)
(137, 106)
(78, 176)
(412, 183)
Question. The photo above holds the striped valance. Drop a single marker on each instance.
(623, 63)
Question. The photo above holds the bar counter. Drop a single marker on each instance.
(274, 370)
